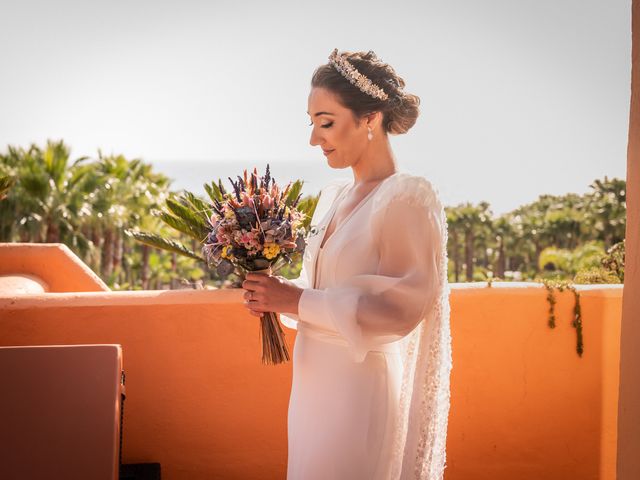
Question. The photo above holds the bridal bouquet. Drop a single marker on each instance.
(256, 227)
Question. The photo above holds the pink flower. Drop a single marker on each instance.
(246, 238)
(247, 200)
(267, 201)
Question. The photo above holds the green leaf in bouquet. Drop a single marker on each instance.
(294, 192)
(213, 191)
(180, 225)
(196, 223)
(197, 204)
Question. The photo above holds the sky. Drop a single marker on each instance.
(518, 98)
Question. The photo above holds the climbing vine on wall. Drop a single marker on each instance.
(561, 285)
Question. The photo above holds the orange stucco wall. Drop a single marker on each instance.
(51, 264)
(524, 405)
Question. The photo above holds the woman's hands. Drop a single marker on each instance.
(268, 293)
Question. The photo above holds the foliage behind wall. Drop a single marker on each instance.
(89, 203)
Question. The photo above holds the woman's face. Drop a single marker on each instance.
(335, 130)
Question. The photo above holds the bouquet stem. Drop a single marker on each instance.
(274, 348)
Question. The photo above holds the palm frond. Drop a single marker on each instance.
(166, 244)
(198, 204)
(182, 226)
(196, 221)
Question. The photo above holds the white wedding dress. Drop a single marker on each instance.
(372, 356)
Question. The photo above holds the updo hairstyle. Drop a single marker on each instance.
(400, 111)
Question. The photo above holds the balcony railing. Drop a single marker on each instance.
(524, 404)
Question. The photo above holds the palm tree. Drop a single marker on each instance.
(504, 231)
(46, 197)
(84, 204)
(128, 191)
(474, 223)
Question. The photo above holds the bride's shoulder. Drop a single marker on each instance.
(413, 189)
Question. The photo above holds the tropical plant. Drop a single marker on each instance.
(614, 260)
(609, 270)
(187, 215)
(86, 204)
(606, 210)
(45, 202)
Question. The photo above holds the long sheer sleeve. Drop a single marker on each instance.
(290, 319)
(382, 307)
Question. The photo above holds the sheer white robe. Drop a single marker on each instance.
(372, 357)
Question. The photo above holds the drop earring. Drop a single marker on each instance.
(370, 134)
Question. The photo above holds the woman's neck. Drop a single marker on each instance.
(376, 164)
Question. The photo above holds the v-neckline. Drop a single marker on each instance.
(334, 208)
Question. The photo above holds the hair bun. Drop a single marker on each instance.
(403, 113)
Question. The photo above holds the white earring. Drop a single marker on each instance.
(370, 134)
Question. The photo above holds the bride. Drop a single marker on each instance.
(372, 355)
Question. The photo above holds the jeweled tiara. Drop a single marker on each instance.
(349, 72)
